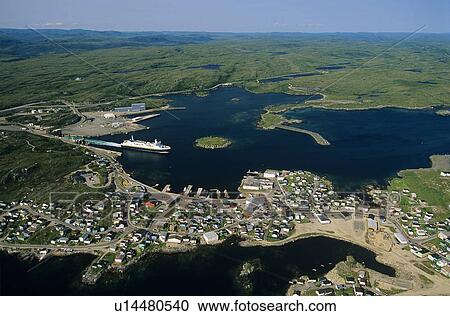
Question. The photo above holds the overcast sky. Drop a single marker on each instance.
(230, 15)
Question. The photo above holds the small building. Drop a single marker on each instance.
(349, 280)
(135, 107)
(322, 218)
(372, 222)
(250, 184)
(119, 258)
(57, 132)
(84, 238)
(358, 291)
(109, 116)
(63, 240)
(255, 184)
(162, 237)
(266, 184)
(174, 239)
(326, 282)
(418, 251)
(138, 197)
(325, 292)
(401, 238)
(211, 237)
(443, 235)
(446, 271)
(270, 174)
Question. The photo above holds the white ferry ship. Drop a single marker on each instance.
(155, 146)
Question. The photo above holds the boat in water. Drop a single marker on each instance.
(154, 147)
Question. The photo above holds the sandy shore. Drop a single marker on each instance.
(408, 276)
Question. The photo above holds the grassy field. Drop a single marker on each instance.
(270, 120)
(33, 166)
(273, 115)
(414, 73)
(55, 120)
(429, 186)
(212, 142)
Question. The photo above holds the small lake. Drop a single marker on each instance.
(366, 146)
(287, 77)
(209, 270)
(207, 66)
(331, 67)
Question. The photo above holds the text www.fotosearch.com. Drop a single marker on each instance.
(247, 306)
(236, 306)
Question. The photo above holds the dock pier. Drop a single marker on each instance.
(166, 188)
(138, 119)
(188, 190)
(317, 137)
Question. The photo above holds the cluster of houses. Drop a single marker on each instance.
(358, 285)
(18, 225)
(313, 198)
(202, 217)
(439, 252)
(55, 224)
(267, 211)
(271, 203)
(424, 235)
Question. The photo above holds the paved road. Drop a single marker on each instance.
(96, 246)
(76, 112)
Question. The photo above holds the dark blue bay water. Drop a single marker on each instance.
(206, 271)
(367, 146)
(57, 276)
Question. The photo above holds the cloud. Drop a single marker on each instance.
(52, 24)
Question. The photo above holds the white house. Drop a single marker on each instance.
(270, 174)
(109, 115)
(322, 218)
(174, 239)
(401, 238)
(210, 237)
(443, 235)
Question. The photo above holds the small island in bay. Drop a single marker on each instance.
(212, 142)
(443, 112)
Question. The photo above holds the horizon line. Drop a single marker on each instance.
(215, 32)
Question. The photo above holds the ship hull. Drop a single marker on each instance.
(148, 150)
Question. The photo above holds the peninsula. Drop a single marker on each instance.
(272, 119)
